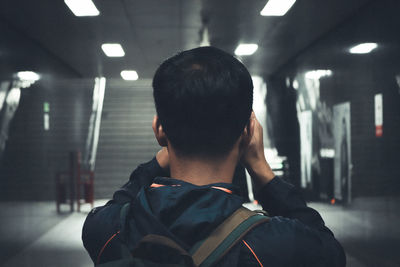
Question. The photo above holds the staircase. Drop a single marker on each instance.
(126, 137)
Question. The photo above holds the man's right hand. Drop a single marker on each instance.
(253, 157)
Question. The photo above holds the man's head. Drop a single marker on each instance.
(203, 99)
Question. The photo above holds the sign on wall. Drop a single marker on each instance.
(46, 116)
(378, 115)
(342, 160)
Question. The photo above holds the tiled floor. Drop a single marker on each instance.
(39, 237)
(60, 246)
(21, 223)
(33, 235)
(368, 230)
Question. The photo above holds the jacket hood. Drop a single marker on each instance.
(182, 211)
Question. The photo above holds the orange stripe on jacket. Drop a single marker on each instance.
(255, 256)
(223, 189)
(105, 245)
(153, 185)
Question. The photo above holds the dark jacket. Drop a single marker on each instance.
(295, 236)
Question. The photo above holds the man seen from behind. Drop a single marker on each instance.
(206, 126)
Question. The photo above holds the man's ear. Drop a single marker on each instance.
(159, 132)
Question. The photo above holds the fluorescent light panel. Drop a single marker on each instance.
(277, 7)
(317, 74)
(129, 75)
(113, 50)
(246, 49)
(82, 8)
(28, 76)
(327, 153)
(364, 48)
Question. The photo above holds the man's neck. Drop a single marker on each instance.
(202, 170)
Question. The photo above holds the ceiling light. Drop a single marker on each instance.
(327, 153)
(28, 76)
(246, 49)
(364, 48)
(82, 8)
(277, 7)
(129, 75)
(113, 50)
(24, 79)
(317, 74)
(295, 84)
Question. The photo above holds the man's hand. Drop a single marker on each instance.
(253, 157)
(163, 158)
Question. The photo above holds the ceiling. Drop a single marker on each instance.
(151, 30)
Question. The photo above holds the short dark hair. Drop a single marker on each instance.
(203, 99)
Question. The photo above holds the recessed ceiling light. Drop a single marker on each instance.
(82, 8)
(129, 75)
(28, 76)
(113, 50)
(364, 48)
(327, 153)
(295, 84)
(317, 74)
(277, 7)
(25, 79)
(246, 49)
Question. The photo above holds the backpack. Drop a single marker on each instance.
(157, 250)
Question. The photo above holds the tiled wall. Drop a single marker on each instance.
(34, 155)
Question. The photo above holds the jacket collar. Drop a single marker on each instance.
(182, 210)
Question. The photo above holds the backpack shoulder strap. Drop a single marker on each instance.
(226, 235)
(122, 216)
(123, 212)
